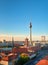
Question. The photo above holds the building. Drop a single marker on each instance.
(26, 42)
(43, 38)
(43, 61)
(3, 62)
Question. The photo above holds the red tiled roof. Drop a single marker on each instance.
(5, 58)
(42, 62)
(20, 50)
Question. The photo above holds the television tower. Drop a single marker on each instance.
(31, 33)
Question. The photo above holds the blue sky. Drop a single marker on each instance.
(15, 16)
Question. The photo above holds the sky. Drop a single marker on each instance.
(16, 15)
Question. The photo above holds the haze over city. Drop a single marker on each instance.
(16, 15)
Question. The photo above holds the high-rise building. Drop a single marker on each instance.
(42, 38)
(12, 42)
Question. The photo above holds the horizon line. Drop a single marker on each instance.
(20, 37)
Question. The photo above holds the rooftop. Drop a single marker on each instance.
(44, 61)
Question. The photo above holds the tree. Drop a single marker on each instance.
(22, 60)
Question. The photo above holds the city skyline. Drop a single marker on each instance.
(16, 15)
(21, 38)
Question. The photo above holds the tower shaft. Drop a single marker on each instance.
(30, 33)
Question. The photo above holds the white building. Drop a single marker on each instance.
(4, 62)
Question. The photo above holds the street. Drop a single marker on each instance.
(41, 54)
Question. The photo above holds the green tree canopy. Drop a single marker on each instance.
(22, 60)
